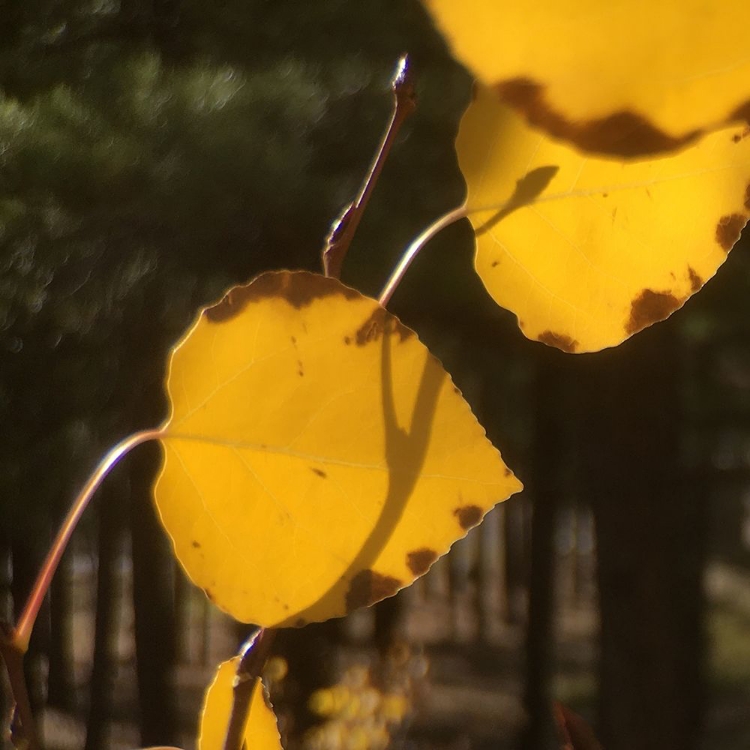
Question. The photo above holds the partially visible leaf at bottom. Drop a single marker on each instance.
(318, 458)
(261, 731)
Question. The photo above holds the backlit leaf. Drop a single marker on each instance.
(317, 458)
(622, 77)
(261, 732)
(588, 251)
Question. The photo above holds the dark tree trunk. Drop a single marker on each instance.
(312, 656)
(545, 489)
(153, 599)
(104, 668)
(650, 541)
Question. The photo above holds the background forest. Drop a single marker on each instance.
(155, 152)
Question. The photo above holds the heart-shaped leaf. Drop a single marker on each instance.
(317, 458)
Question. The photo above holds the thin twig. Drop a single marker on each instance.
(413, 250)
(25, 624)
(342, 232)
(22, 728)
(14, 642)
(252, 660)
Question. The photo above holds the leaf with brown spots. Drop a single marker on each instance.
(310, 496)
(261, 731)
(604, 248)
(549, 63)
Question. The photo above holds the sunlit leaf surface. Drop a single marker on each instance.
(621, 77)
(588, 251)
(318, 458)
(261, 732)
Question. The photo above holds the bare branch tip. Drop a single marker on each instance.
(403, 83)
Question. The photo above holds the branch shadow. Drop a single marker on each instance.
(527, 190)
(405, 451)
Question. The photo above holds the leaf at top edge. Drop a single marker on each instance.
(317, 458)
(625, 77)
(261, 731)
(588, 251)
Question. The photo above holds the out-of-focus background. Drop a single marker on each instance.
(155, 152)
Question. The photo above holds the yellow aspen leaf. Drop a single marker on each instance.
(624, 77)
(261, 731)
(588, 251)
(317, 458)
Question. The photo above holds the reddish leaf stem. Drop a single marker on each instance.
(253, 658)
(14, 642)
(22, 631)
(342, 232)
(413, 250)
(23, 731)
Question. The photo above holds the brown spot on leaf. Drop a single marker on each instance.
(468, 516)
(419, 560)
(559, 341)
(347, 340)
(650, 307)
(372, 329)
(747, 197)
(495, 263)
(623, 133)
(297, 288)
(300, 369)
(368, 587)
(728, 230)
(507, 472)
(696, 282)
(196, 545)
(319, 472)
(294, 341)
(300, 622)
(737, 137)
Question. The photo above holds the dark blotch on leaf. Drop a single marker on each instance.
(368, 587)
(319, 472)
(297, 288)
(372, 329)
(559, 341)
(300, 622)
(419, 560)
(650, 307)
(696, 282)
(468, 516)
(747, 197)
(728, 230)
(623, 133)
(196, 545)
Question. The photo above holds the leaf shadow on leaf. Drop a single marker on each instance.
(527, 190)
(405, 452)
